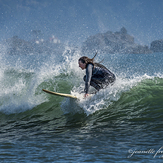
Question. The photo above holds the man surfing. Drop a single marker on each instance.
(97, 75)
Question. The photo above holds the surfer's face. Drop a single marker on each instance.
(82, 65)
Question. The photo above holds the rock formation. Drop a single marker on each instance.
(111, 43)
(157, 46)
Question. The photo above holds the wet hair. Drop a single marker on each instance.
(87, 60)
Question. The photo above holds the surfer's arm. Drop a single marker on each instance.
(88, 77)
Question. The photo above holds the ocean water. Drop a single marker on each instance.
(122, 123)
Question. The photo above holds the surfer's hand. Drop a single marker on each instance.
(86, 95)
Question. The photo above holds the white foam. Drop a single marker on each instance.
(104, 98)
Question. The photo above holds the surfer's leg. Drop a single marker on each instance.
(108, 80)
(102, 82)
(93, 83)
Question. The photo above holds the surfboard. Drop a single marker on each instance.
(60, 94)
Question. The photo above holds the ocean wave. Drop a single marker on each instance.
(23, 78)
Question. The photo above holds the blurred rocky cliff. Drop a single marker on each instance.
(111, 43)
(107, 43)
(157, 46)
(18, 46)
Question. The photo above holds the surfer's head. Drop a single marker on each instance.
(83, 62)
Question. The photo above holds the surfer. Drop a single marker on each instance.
(97, 75)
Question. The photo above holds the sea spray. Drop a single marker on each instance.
(24, 76)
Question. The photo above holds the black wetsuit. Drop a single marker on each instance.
(98, 76)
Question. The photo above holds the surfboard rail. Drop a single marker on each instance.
(59, 94)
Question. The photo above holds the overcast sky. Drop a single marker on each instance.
(75, 20)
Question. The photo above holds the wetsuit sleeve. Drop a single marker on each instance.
(88, 77)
